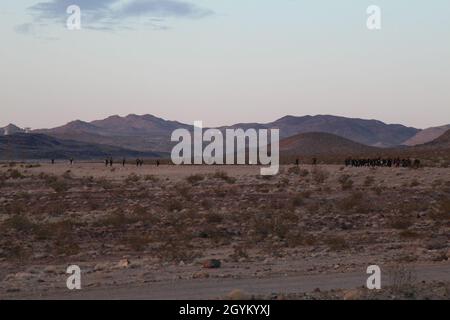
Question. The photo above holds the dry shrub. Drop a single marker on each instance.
(136, 242)
(19, 223)
(368, 181)
(265, 225)
(132, 178)
(214, 218)
(105, 184)
(414, 183)
(15, 174)
(174, 205)
(345, 182)
(239, 252)
(294, 170)
(297, 200)
(116, 219)
(184, 191)
(400, 222)
(336, 243)
(206, 204)
(12, 250)
(195, 178)
(353, 202)
(151, 177)
(224, 176)
(377, 190)
(442, 211)
(402, 281)
(176, 251)
(409, 234)
(320, 175)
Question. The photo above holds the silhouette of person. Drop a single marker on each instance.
(157, 163)
(123, 162)
(297, 162)
(53, 161)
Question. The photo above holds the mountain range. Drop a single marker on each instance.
(150, 133)
(149, 136)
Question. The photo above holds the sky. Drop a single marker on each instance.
(224, 61)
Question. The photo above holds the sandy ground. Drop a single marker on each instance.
(146, 232)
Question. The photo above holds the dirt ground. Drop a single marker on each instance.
(156, 232)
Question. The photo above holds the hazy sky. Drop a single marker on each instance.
(224, 61)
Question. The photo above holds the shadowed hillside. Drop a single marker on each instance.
(426, 135)
(39, 146)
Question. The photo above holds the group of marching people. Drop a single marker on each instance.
(379, 162)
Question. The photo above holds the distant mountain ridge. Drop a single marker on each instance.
(10, 129)
(39, 146)
(426, 135)
(150, 133)
(320, 143)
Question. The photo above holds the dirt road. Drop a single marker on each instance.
(216, 288)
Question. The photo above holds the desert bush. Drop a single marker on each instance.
(239, 252)
(116, 219)
(214, 218)
(53, 208)
(12, 250)
(151, 177)
(368, 181)
(353, 202)
(441, 212)
(184, 191)
(19, 223)
(174, 205)
(294, 170)
(295, 239)
(400, 222)
(377, 190)
(16, 208)
(105, 184)
(176, 251)
(409, 234)
(136, 242)
(402, 281)
(306, 194)
(415, 183)
(206, 204)
(345, 182)
(320, 175)
(67, 175)
(132, 178)
(195, 178)
(297, 200)
(32, 165)
(59, 185)
(15, 174)
(268, 224)
(336, 243)
(224, 176)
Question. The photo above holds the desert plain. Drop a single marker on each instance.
(223, 232)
